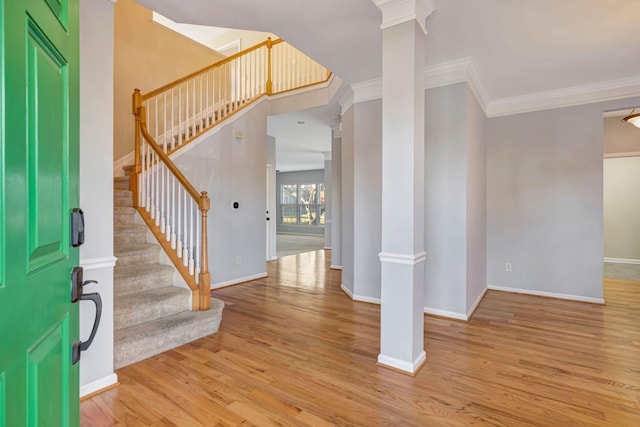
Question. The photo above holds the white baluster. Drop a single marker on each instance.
(162, 198)
(185, 236)
(198, 243)
(194, 114)
(173, 212)
(191, 246)
(179, 222)
(179, 116)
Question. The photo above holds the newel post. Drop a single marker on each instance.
(137, 167)
(204, 279)
(269, 82)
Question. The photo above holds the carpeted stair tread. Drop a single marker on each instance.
(147, 339)
(139, 254)
(138, 278)
(149, 305)
(124, 215)
(122, 198)
(121, 183)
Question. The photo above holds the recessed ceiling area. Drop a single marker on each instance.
(302, 138)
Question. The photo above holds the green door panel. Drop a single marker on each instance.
(39, 134)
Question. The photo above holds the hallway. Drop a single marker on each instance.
(294, 350)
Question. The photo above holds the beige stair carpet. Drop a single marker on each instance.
(150, 314)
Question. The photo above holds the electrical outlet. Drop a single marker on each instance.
(507, 266)
(238, 260)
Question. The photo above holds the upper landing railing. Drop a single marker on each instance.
(180, 111)
(170, 117)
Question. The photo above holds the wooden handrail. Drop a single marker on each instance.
(165, 159)
(220, 63)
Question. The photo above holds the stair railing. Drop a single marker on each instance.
(180, 111)
(173, 209)
(170, 117)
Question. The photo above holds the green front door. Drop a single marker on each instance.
(38, 188)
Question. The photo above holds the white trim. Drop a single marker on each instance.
(98, 263)
(396, 12)
(547, 294)
(475, 305)
(346, 290)
(232, 44)
(367, 90)
(403, 365)
(617, 113)
(370, 300)
(346, 102)
(622, 261)
(446, 73)
(239, 280)
(618, 155)
(336, 267)
(445, 313)
(402, 258)
(126, 160)
(477, 87)
(566, 97)
(98, 385)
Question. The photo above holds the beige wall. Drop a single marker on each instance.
(146, 56)
(620, 137)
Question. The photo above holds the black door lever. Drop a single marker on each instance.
(77, 294)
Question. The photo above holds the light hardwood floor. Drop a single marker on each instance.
(294, 350)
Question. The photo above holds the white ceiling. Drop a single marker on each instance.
(302, 146)
(519, 47)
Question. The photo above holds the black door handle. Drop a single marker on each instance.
(77, 284)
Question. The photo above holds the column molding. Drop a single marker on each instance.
(396, 12)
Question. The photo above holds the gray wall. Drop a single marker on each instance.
(621, 208)
(367, 199)
(96, 187)
(446, 198)
(328, 194)
(300, 177)
(347, 198)
(336, 202)
(233, 169)
(544, 198)
(476, 201)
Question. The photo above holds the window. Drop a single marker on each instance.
(302, 204)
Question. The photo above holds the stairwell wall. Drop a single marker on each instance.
(147, 56)
(233, 169)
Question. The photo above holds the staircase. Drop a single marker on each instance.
(151, 315)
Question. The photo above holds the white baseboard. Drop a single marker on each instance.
(445, 313)
(477, 303)
(98, 385)
(238, 280)
(370, 300)
(346, 290)
(336, 267)
(547, 294)
(127, 159)
(622, 260)
(402, 365)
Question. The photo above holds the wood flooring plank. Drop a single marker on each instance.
(294, 350)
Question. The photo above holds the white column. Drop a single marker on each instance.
(402, 257)
(336, 199)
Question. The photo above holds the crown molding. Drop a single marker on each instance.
(396, 12)
(367, 90)
(567, 97)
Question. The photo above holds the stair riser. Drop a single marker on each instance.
(146, 311)
(151, 257)
(132, 284)
(123, 240)
(124, 219)
(121, 184)
(130, 349)
(123, 200)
